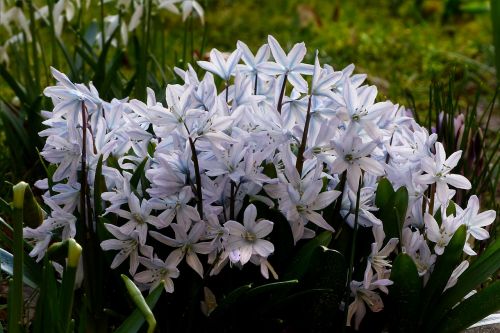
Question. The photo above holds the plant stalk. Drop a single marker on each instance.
(282, 93)
(199, 192)
(300, 155)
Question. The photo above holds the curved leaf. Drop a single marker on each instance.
(472, 309)
(445, 264)
(134, 322)
(300, 263)
(478, 272)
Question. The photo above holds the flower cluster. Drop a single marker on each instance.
(184, 177)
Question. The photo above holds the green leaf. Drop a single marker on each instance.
(47, 311)
(33, 214)
(232, 298)
(5, 208)
(134, 181)
(67, 290)
(18, 89)
(139, 301)
(384, 193)
(472, 309)
(112, 72)
(478, 272)
(400, 207)
(405, 294)
(6, 263)
(269, 288)
(300, 263)
(392, 207)
(327, 271)
(16, 283)
(134, 322)
(445, 264)
(67, 56)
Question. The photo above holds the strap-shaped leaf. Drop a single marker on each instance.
(445, 264)
(47, 310)
(478, 272)
(300, 263)
(269, 288)
(230, 299)
(328, 272)
(392, 207)
(471, 310)
(6, 263)
(136, 177)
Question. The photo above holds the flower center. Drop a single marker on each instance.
(249, 237)
(138, 218)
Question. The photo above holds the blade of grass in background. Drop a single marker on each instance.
(495, 21)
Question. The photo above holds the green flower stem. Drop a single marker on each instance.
(16, 287)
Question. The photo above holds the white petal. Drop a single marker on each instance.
(324, 199)
(263, 228)
(479, 233)
(371, 166)
(278, 53)
(263, 248)
(485, 218)
(245, 254)
(194, 262)
(353, 176)
(458, 181)
(296, 55)
(453, 160)
(318, 220)
(298, 82)
(271, 68)
(250, 216)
